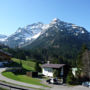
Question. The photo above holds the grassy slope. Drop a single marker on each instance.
(23, 78)
(28, 65)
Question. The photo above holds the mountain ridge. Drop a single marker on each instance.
(30, 33)
(62, 39)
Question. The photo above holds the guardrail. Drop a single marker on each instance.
(12, 87)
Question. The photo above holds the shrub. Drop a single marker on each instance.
(70, 78)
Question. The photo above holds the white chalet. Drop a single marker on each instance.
(48, 69)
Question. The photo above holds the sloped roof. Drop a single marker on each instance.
(53, 65)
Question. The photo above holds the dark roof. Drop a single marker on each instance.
(5, 52)
(53, 65)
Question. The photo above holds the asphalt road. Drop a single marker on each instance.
(2, 78)
(13, 87)
(61, 87)
(53, 87)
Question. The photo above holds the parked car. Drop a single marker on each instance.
(87, 84)
(52, 81)
(48, 81)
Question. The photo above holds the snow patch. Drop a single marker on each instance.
(46, 26)
(19, 30)
(21, 43)
(76, 34)
(37, 35)
(46, 34)
(61, 30)
(16, 38)
(28, 38)
(33, 37)
(82, 32)
(55, 20)
(74, 26)
(2, 39)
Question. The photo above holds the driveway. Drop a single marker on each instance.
(65, 87)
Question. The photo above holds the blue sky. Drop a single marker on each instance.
(19, 13)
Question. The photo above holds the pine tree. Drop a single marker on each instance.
(79, 58)
(86, 64)
(37, 67)
(83, 63)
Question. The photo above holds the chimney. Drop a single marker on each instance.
(48, 62)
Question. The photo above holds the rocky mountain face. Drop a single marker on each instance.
(57, 34)
(61, 39)
(23, 35)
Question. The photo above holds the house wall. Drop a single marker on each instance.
(47, 71)
(74, 71)
(62, 72)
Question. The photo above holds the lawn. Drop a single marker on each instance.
(23, 78)
(26, 64)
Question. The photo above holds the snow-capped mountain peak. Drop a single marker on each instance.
(65, 26)
(24, 35)
(55, 20)
(29, 33)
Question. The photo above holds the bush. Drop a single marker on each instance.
(73, 80)
(70, 78)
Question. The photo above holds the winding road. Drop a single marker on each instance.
(54, 87)
(2, 78)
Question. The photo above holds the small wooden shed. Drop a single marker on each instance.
(32, 74)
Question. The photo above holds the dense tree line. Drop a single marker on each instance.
(83, 68)
(83, 63)
(43, 55)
